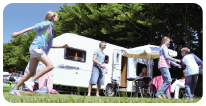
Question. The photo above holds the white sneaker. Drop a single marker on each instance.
(15, 91)
(29, 85)
(158, 96)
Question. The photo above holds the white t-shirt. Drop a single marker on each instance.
(191, 65)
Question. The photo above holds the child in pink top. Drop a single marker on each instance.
(164, 65)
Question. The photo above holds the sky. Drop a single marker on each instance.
(19, 16)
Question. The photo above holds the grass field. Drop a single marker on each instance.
(7, 87)
(65, 98)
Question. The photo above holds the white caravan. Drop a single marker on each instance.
(73, 65)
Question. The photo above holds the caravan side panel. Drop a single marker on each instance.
(80, 76)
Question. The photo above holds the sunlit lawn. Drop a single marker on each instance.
(65, 98)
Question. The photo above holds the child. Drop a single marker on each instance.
(143, 74)
(190, 63)
(42, 42)
(177, 85)
(164, 65)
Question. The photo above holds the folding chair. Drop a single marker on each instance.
(114, 83)
(119, 87)
(145, 85)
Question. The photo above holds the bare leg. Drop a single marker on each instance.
(89, 90)
(32, 67)
(49, 66)
(98, 88)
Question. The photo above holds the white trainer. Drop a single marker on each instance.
(15, 92)
(30, 85)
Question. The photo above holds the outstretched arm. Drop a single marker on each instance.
(166, 54)
(60, 46)
(175, 64)
(15, 34)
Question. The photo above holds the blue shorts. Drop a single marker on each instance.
(97, 76)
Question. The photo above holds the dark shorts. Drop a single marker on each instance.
(97, 76)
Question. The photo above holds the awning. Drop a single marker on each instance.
(147, 52)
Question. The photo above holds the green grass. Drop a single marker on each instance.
(65, 98)
(7, 87)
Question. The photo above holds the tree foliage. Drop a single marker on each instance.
(16, 52)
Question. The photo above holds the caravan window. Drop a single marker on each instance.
(117, 60)
(75, 54)
(106, 60)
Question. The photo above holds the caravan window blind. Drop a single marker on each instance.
(75, 54)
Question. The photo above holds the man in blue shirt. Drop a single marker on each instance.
(98, 75)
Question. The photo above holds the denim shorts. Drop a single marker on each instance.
(36, 53)
(97, 76)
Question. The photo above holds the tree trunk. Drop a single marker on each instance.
(169, 26)
(186, 25)
(200, 40)
(188, 37)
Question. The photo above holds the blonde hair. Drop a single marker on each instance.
(144, 74)
(187, 50)
(164, 39)
(49, 15)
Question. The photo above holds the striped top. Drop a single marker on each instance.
(165, 59)
(163, 62)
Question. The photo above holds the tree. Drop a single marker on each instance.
(121, 24)
(16, 53)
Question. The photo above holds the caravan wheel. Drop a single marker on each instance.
(110, 91)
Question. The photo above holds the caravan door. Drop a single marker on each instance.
(117, 60)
